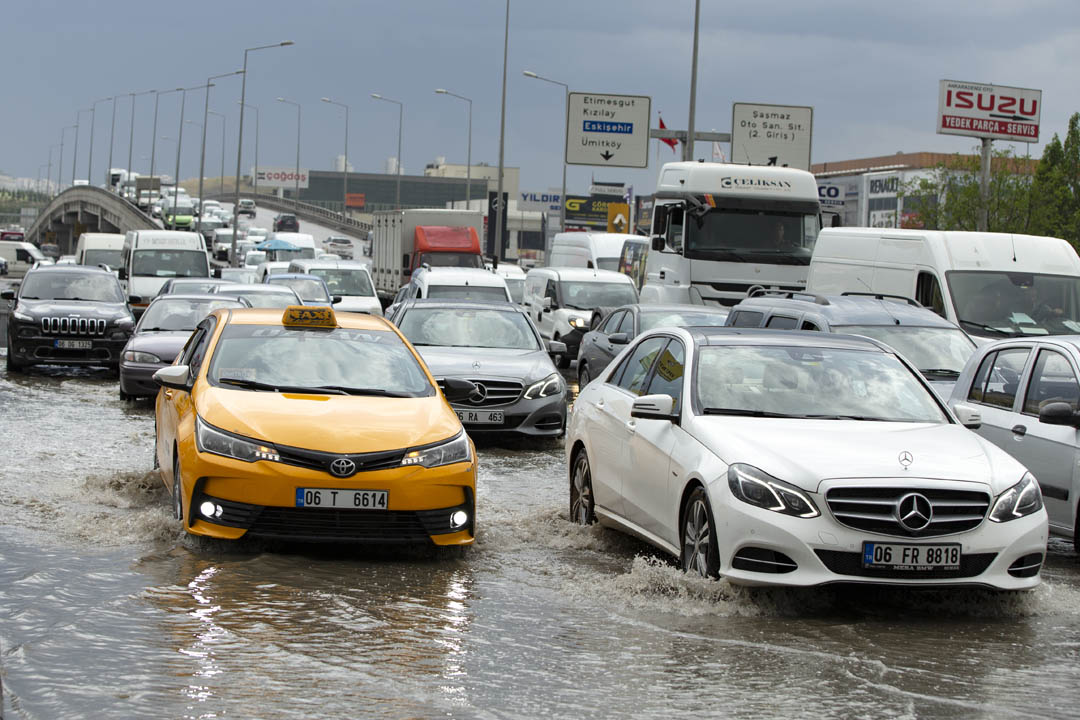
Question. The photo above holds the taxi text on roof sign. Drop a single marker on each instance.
(303, 316)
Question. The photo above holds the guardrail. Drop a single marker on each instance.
(111, 207)
(305, 211)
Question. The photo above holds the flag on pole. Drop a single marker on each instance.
(670, 142)
(717, 153)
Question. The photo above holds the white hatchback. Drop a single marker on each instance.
(784, 458)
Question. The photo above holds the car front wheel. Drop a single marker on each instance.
(700, 553)
(583, 376)
(582, 504)
(178, 501)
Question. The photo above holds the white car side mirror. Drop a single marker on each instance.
(654, 407)
(969, 416)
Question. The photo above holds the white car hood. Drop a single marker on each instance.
(806, 452)
(359, 303)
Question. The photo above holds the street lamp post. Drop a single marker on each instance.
(60, 162)
(296, 189)
(345, 162)
(221, 180)
(180, 140)
(153, 136)
(112, 132)
(48, 177)
(240, 144)
(502, 209)
(566, 100)
(202, 152)
(255, 179)
(131, 138)
(688, 147)
(90, 162)
(468, 150)
(401, 117)
(75, 153)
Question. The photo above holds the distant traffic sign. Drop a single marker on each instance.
(777, 135)
(997, 112)
(611, 130)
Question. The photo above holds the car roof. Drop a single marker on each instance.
(675, 307)
(239, 288)
(1073, 340)
(456, 275)
(320, 264)
(584, 274)
(187, 296)
(785, 338)
(502, 305)
(84, 269)
(849, 309)
(294, 276)
(273, 316)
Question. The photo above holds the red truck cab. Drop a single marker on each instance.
(441, 246)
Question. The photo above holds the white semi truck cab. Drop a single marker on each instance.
(720, 231)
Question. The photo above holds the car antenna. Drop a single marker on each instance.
(1012, 239)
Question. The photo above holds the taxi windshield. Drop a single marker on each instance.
(468, 327)
(265, 357)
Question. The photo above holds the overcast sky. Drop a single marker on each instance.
(869, 69)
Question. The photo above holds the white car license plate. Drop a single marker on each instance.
(74, 344)
(895, 556)
(338, 498)
(481, 417)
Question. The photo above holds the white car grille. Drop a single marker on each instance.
(875, 509)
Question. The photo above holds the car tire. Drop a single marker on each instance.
(1076, 532)
(177, 499)
(12, 364)
(582, 501)
(583, 376)
(595, 321)
(700, 551)
(562, 360)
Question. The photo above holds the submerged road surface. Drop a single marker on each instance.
(109, 611)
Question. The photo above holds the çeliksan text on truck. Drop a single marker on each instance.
(720, 231)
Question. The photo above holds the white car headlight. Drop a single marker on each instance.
(762, 490)
(550, 385)
(141, 357)
(579, 323)
(454, 450)
(1022, 499)
(209, 439)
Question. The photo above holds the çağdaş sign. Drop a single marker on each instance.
(997, 112)
(610, 130)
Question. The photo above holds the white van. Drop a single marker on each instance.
(452, 283)
(514, 277)
(150, 257)
(20, 256)
(993, 285)
(587, 250)
(267, 268)
(221, 245)
(303, 241)
(347, 278)
(562, 301)
(97, 248)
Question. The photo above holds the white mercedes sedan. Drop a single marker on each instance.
(787, 458)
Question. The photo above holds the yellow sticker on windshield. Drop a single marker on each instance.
(669, 368)
(303, 316)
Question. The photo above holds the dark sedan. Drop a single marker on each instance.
(600, 345)
(286, 222)
(160, 335)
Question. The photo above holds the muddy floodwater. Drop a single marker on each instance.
(107, 610)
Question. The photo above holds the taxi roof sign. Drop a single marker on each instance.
(306, 316)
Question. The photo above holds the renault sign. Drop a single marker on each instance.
(610, 130)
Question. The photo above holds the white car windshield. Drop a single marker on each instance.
(940, 349)
(467, 292)
(1015, 303)
(308, 289)
(170, 263)
(468, 327)
(590, 295)
(810, 382)
(343, 281)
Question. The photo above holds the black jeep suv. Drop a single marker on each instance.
(67, 315)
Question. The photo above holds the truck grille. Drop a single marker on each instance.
(73, 326)
(495, 392)
(874, 509)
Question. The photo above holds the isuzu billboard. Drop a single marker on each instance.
(997, 112)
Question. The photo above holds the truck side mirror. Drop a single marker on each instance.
(122, 273)
(405, 261)
(547, 303)
(658, 243)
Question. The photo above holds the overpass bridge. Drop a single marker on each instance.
(82, 209)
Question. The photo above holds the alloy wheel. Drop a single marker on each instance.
(699, 547)
(178, 503)
(581, 493)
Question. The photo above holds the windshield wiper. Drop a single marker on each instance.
(845, 417)
(947, 372)
(576, 307)
(29, 297)
(987, 328)
(377, 392)
(254, 385)
(747, 413)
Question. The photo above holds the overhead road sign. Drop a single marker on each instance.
(994, 112)
(608, 130)
(777, 135)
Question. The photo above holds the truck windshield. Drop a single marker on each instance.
(451, 259)
(112, 258)
(1010, 304)
(758, 236)
(170, 263)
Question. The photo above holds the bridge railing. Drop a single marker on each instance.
(305, 211)
(111, 207)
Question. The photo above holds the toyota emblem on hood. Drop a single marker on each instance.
(342, 467)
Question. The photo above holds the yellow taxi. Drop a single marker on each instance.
(313, 426)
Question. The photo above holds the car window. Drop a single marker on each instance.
(746, 318)
(611, 324)
(928, 293)
(781, 322)
(639, 363)
(998, 378)
(549, 291)
(668, 378)
(807, 325)
(1052, 380)
(626, 325)
(198, 354)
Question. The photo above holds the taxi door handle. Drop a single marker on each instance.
(1019, 430)
(168, 394)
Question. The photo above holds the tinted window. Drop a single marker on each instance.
(807, 325)
(1052, 380)
(626, 324)
(668, 378)
(781, 322)
(638, 364)
(468, 292)
(611, 324)
(1002, 379)
(746, 318)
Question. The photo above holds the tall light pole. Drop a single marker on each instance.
(202, 152)
(296, 190)
(468, 147)
(221, 187)
(60, 163)
(75, 153)
(501, 213)
(112, 132)
(240, 144)
(566, 108)
(131, 138)
(180, 138)
(153, 137)
(688, 148)
(345, 162)
(90, 162)
(48, 177)
(401, 117)
(255, 179)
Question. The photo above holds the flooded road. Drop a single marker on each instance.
(108, 611)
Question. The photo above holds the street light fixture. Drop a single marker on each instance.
(296, 190)
(468, 151)
(255, 179)
(240, 144)
(75, 153)
(221, 180)
(180, 138)
(131, 139)
(566, 101)
(202, 150)
(401, 116)
(345, 162)
(90, 162)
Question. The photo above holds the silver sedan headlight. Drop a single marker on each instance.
(578, 323)
(762, 490)
(1022, 499)
(550, 385)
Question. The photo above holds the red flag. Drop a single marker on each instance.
(671, 142)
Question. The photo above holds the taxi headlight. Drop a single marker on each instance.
(211, 440)
(454, 450)
(758, 488)
(141, 357)
(1023, 498)
(548, 386)
(579, 323)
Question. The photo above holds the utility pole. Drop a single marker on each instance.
(688, 147)
(983, 223)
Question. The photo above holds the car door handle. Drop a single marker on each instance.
(1019, 430)
(600, 403)
(631, 426)
(168, 394)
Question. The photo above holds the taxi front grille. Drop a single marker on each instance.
(370, 526)
(55, 325)
(874, 509)
(316, 460)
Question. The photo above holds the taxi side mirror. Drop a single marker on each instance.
(174, 377)
(457, 389)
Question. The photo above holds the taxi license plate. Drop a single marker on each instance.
(73, 344)
(481, 417)
(342, 499)
(914, 558)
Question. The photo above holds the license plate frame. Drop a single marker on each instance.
(341, 499)
(481, 417)
(66, 344)
(911, 557)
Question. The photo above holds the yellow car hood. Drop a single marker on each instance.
(331, 423)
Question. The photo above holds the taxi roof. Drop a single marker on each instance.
(273, 316)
